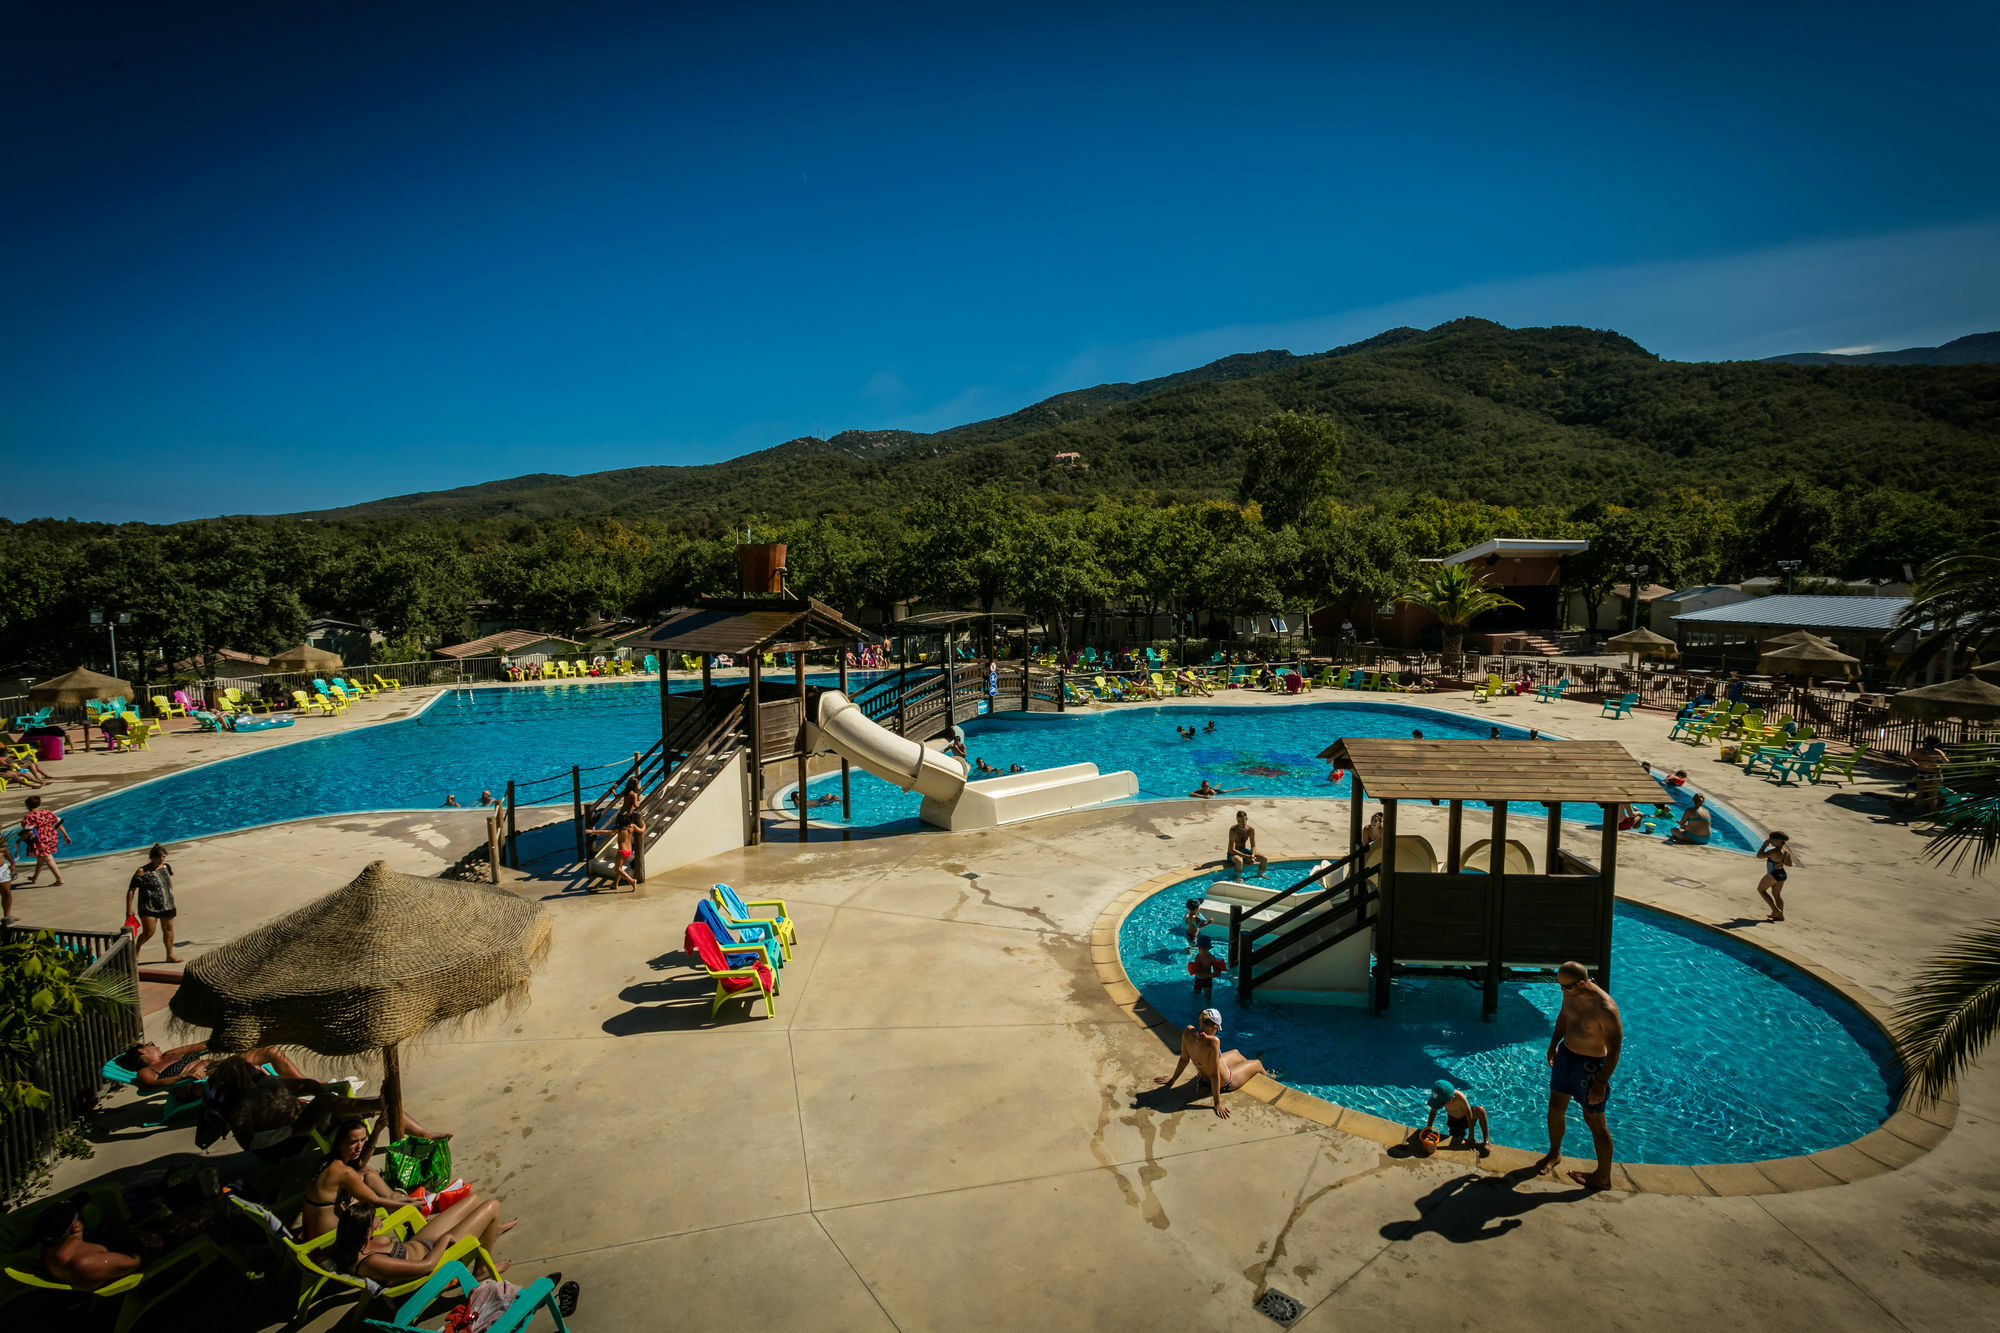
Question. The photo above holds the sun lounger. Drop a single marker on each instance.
(1800, 765)
(1620, 707)
(758, 937)
(1489, 690)
(736, 911)
(739, 974)
(536, 1296)
(1689, 722)
(1548, 694)
(307, 1256)
(1840, 771)
(39, 718)
(389, 683)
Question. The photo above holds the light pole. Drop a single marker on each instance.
(112, 623)
(1790, 567)
(1181, 635)
(1634, 573)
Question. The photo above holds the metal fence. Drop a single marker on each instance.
(67, 1063)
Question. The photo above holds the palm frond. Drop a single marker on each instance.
(103, 992)
(1949, 1013)
(1970, 825)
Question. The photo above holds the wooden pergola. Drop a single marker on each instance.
(1444, 919)
(749, 627)
(948, 623)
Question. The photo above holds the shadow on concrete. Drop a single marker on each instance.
(1878, 808)
(1475, 1207)
(680, 1003)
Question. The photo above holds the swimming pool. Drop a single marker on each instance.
(1252, 752)
(1731, 1055)
(474, 739)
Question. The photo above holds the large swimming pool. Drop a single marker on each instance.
(1730, 1055)
(475, 739)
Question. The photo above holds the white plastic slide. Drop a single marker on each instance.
(949, 800)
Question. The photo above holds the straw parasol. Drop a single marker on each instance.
(1642, 642)
(1988, 671)
(367, 968)
(305, 657)
(79, 686)
(1967, 697)
(1808, 659)
(1797, 638)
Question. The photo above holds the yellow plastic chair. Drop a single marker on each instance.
(139, 736)
(136, 1293)
(314, 1278)
(388, 683)
(357, 688)
(166, 708)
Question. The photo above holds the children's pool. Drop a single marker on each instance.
(1730, 1054)
(475, 739)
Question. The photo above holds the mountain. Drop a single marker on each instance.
(1467, 410)
(1972, 349)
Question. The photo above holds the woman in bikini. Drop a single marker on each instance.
(346, 1172)
(1777, 854)
(358, 1248)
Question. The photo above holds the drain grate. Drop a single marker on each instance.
(1686, 883)
(1280, 1308)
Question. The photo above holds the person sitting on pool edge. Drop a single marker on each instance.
(1243, 845)
(1220, 1070)
(1461, 1117)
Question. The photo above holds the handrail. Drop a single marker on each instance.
(1360, 923)
(1265, 927)
(1318, 900)
(1326, 900)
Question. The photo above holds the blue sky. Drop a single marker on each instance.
(264, 258)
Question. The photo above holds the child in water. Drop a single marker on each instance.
(1192, 923)
(1205, 967)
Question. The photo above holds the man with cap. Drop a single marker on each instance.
(1461, 1117)
(1223, 1071)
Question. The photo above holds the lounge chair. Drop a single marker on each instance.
(39, 718)
(1548, 694)
(1620, 707)
(1800, 765)
(1489, 690)
(306, 1255)
(239, 702)
(137, 1292)
(739, 974)
(759, 937)
(335, 703)
(735, 911)
(537, 1295)
(1688, 722)
(1838, 770)
(301, 703)
(360, 688)
(652, 665)
(1766, 755)
(389, 683)
(1162, 687)
(138, 736)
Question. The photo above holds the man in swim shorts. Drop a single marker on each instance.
(1243, 844)
(1583, 1054)
(1223, 1071)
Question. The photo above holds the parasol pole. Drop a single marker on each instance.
(392, 1092)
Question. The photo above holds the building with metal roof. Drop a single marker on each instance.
(1861, 615)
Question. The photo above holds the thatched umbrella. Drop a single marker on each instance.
(1798, 638)
(1967, 697)
(79, 686)
(367, 968)
(1808, 659)
(1642, 642)
(1988, 671)
(305, 657)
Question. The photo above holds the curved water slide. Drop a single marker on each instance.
(949, 800)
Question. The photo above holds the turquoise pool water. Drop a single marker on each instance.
(1730, 1055)
(474, 739)
(1252, 752)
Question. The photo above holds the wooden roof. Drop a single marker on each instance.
(750, 624)
(1391, 769)
(931, 620)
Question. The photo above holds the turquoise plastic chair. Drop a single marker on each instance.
(1548, 694)
(652, 664)
(1615, 708)
(535, 1296)
(181, 1098)
(759, 937)
(1801, 764)
(738, 914)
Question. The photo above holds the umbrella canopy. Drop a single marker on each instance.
(1643, 641)
(305, 657)
(366, 968)
(1808, 659)
(79, 686)
(1967, 697)
(1798, 638)
(1988, 671)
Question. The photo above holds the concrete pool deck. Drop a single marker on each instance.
(951, 1120)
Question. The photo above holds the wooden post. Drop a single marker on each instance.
(752, 716)
(1062, 683)
(1608, 867)
(493, 847)
(1235, 932)
(846, 807)
(707, 676)
(1355, 799)
(1454, 842)
(799, 744)
(392, 1092)
(576, 805)
(513, 837)
(1552, 853)
(1385, 908)
(1496, 910)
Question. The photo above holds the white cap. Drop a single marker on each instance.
(1212, 1016)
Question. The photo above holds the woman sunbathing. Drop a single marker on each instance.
(346, 1174)
(359, 1249)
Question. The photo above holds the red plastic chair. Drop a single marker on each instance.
(731, 983)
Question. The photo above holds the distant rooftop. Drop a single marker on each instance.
(506, 641)
(1799, 611)
(1520, 548)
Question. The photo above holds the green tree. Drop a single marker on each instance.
(1288, 465)
(1619, 537)
(1457, 597)
(1795, 521)
(1057, 573)
(1353, 558)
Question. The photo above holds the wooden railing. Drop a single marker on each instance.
(1264, 939)
(67, 1063)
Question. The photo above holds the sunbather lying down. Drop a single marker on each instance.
(273, 1114)
(358, 1248)
(155, 1069)
(118, 1250)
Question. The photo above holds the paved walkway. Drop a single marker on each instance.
(944, 1125)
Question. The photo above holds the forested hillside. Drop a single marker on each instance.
(1468, 410)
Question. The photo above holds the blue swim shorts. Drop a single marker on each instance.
(1572, 1074)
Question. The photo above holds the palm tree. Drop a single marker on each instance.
(1950, 1012)
(1957, 600)
(1456, 597)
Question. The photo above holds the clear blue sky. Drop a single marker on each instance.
(278, 256)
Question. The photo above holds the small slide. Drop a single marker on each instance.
(949, 800)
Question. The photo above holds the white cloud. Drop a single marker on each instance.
(1853, 351)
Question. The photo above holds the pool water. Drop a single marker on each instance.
(1730, 1055)
(1257, 752)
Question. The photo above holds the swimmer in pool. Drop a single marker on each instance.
(1221, 1071)
(1208, 729)
(1205, 790)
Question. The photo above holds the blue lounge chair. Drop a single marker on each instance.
(1547, 694)
(39, 718)
(535, 1296)
(755, 937)
(1770, 755)
(738, 914)
(1620, 707)
(1801, 763)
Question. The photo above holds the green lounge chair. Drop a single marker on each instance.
(1620, 707)
(1839, 771)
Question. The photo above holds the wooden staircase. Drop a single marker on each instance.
(1540, 646)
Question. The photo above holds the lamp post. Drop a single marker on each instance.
(111, 623)
(1634, 573)
(1790, 567)
(1181, 635)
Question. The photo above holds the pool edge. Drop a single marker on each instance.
(1910, 1131)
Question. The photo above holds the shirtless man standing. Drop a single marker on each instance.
(1223, 1071)
(1243, 844)
(1582, 1056)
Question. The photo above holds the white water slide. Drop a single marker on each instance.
(949, 800)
